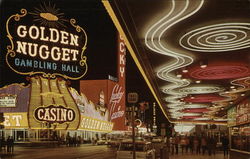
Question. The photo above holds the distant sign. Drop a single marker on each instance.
(7, 100)
(132, 98)
(243, 112)
(231, 115)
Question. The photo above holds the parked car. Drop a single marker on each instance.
(143, 149)
(157, 139)
(102, 142)
(114, 143)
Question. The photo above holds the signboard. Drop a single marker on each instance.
(117, 101)
(43, 41)
(132, 98)
(54, 114)
(51, 105)
(231, 116)
(8, 100)
(114, 101)
(243, 112)
(15, 120)
(88, 123)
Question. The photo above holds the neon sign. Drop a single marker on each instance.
(46, 43)
(114, 101)
(54, 114)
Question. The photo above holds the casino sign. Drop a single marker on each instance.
(44, 42)
(54, 114)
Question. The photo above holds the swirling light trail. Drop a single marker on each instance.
(153, 40)
(217, 38)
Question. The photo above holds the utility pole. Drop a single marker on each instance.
(133, 131)
(132, 99)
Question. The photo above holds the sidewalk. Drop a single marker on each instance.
(218, 155)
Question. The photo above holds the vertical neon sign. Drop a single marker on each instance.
(117, 99)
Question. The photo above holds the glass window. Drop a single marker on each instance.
(240, 138)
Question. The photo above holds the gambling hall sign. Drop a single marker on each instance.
(45, 42)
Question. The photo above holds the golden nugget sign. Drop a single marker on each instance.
(54, 114)
(44, 42)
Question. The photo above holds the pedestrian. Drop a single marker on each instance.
(214, 145)
(177, 139)
(68, 140)
(8, 143)
(11, 144)
(196, 144)
(187, 143)
(209, 145)
(198, 151)
(1, 144)
(203, 144)
(172, 144)
(93, 141)
(191, 143)
(225, 143)
(79, 140)
(183, 144)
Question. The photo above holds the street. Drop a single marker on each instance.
(86, 151)
(83, 152)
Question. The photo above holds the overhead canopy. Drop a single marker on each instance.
(193, 54)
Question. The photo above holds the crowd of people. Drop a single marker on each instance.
(7, 145)
(197, 144)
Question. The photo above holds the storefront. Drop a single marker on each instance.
(18, 123)
(239, 122)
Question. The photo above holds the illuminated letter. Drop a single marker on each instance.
(73, 40)
(39, 115)
(70, 115)
(53, 53)
(122, 69)
(52, 31)
(21, 47)
(33, 27)
(46, 114)
(6, 121)
(46, 52)
(64, 37)
(17, 118)
(74, 52)
(23, 33)
(42, 34)
(122, 59)
(63, 115)
(17, 61)
(53, 115)
(65, 54)
(122, 47)
(58, 114)
(34, 52)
